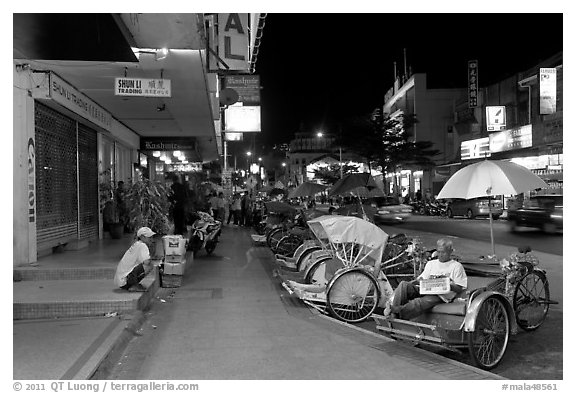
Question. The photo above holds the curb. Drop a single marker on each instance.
(114, 353)
(440, 358)
(105, 365)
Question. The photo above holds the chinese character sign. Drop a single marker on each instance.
(473, 83)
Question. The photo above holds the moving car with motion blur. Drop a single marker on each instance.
(472, 208)
(541, 211)
(389, 209)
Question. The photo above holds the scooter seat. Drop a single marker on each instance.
(457, 307)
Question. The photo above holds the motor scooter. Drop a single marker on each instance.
(205, 233)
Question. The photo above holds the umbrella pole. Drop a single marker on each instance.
(491, 229)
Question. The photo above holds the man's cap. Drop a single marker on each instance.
(145, 231)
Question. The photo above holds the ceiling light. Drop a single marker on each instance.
(168, 161)
(162, 53)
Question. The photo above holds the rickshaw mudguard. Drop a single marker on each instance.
(474, 307)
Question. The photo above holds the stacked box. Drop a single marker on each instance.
(174, 268)
(175, 258)
(174, 245)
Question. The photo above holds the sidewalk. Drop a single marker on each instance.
(231, 320)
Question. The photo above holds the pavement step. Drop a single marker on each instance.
(50, 274)
(78, 298)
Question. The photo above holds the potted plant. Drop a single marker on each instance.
(147, 205)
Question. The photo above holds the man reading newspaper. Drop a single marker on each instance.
(407, 302)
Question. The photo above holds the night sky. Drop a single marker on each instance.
(318, 68)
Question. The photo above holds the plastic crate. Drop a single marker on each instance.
(171, 280)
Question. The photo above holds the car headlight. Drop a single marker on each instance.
(383, 211)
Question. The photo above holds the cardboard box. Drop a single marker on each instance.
(174, 268)
(174, 245)
(175, 258)
(435, 286)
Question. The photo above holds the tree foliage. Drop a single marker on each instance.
(386, 142)
(331, 174)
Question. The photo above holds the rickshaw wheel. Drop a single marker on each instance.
(352, 296)
(288, 244)
(531, 300)
(274, 237)
(306, 254)
(487, 343)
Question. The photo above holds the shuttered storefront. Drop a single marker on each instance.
(88, 179)
(57, 151)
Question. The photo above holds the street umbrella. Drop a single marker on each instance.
(276, 191)
(351, 182)
(489, 178)
(364, 192)
(280, 208)
(306, 189)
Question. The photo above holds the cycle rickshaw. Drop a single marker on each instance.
(500, 298)
(353, 248)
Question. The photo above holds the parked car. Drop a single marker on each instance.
(542, 211)
(389, 209)
(472, 208)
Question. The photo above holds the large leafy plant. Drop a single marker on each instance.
(148, 205)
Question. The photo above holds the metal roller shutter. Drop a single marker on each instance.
(88, 179)
(56, 180)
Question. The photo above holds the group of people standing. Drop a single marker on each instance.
(239, 208)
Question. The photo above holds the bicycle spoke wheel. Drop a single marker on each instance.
(274, 238)
(288, 244)
(487, 343)
(531, 300)
(352, 296)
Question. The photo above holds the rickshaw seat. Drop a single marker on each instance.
(456, 307)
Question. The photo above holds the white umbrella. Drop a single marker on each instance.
(489, 178)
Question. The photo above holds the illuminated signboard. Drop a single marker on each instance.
(233, 136)
(495, 118)
(547, 91)
(475, 148)
(514, 138)
(242, 119)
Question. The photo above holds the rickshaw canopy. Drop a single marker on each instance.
(342, 231)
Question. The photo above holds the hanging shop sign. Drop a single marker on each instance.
(242, 119)
(512, 139)
(233, 136)
(138, 87)
(167, 143)
(233, 43)
(495, 118)
(547, 91)
(475, 148)
(247, 87)
(473, 83)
